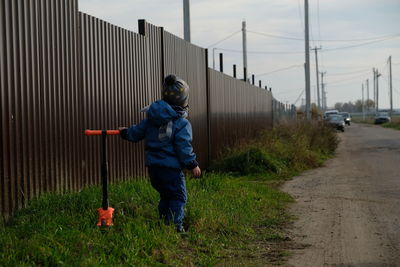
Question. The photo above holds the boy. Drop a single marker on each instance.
(168, 149)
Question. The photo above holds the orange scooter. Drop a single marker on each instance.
(105, 212)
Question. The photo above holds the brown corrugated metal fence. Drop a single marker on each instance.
(62, 71)
(39, 111)
(238, 110)
(190, 63)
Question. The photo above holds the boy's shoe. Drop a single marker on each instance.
(180, 229)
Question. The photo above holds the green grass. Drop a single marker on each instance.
(394, 124)
(229, 210)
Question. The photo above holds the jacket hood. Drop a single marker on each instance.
(160, 113)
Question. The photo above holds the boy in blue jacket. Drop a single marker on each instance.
(168, 136)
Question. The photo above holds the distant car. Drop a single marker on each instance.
(336, 121)
(382, 117)
(346, 116)
(329, 113)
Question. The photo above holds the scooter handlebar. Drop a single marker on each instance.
(100, 132)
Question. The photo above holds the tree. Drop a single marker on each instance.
(339, 106)
(355, 106)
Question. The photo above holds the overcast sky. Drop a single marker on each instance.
(346, 69)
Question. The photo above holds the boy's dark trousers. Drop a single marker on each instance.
(170, 183)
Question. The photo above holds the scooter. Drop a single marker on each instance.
(105, 212)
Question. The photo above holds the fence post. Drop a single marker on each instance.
(252, 79)
(234, 70)
(221, 62)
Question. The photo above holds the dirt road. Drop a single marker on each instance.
(349, 211)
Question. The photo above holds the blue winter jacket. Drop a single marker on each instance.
(167, 136)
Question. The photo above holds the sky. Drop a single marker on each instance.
(334, 26)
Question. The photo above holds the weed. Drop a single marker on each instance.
(394, 124)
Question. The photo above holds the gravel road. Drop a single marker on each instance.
(349, 211)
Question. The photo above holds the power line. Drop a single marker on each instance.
(285, 92)
(298, 98)
(362, 44)
(342, 85)
(301, 52)
(349, 73)
(224, 39)
(261, 52)
(278, 70)
(325, 40)
(344, 80)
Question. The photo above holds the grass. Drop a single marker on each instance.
(394, 124)
(229, 210)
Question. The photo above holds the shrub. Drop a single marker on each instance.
(295, 145)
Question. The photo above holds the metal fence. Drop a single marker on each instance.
(282, 112)
(238, 110)
(62, 71)
(39, 113)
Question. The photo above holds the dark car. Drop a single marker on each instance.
(346, 116)
(336, 121)
(382, 117)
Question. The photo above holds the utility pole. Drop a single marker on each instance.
(367, 83)
(307, 65)
(186, 20)
(377, 89)
(374, 74)
(244, 39)
(362, 101)
(390, 85)
(316, 63)
(323, 91)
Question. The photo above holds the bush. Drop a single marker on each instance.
(248, 160)
(293, 146)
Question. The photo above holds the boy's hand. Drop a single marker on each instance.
(122, 132)
(196, 172)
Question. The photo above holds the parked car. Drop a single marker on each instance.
(329, 113)
(346, 116)
(336, 121)
(382, 117)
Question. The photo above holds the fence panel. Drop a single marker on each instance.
(38, 83)
(238, 110)
(117, 82)
(190, 63)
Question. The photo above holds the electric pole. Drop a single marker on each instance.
(390, 85)
(186, 20)
(323, 90)
(244, 39)
(374, 74)
(316, 63)
(377, 89)
(362, 101)
(367, 83)
(307, 65)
